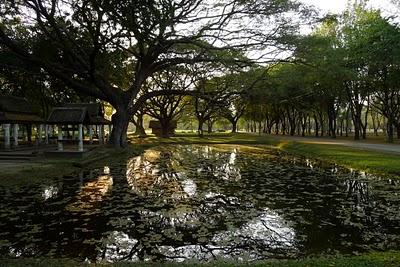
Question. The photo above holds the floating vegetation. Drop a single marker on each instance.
(202, 202)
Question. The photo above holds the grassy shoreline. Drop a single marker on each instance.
(364, 160)
(374, 162)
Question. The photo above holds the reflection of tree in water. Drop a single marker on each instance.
(54, 218)
(153, 174)
(92, 193)
(200, 217)
(331, 210)
(215, 161)
(200, 202)
(321, 205)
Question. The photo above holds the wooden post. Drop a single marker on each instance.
(80, 132)
(40, 132)
(60, 138)
(102, 134)
(6, 128)
(99, 132)
(109, 133)
(90, 134)
(46, 132)
(15, 133)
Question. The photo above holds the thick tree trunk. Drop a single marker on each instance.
(304, 126)
(140, 131)
(332, 121)
(234, 126)
(165, 126)
(398, 130)
(269, 128)
(364, 124)
(341, 126)
(347, 122)
(120, 121)
(321, 119)
(364, 131)
(357, 127)
(357, 121)
(200, 128)
(316, 126)
(390, 131)
(210, 126)
(284, 126)
(374, 124)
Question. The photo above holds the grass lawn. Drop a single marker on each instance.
(370, 161)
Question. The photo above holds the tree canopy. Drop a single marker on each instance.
(108, 49)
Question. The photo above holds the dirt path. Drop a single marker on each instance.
(386, 148)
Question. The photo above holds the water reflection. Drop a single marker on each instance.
(92, 193)
(50, 191)
(154, 174)
(201, 202)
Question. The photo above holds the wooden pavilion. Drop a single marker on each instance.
(14, 112)
(73, 117)
(96, 119)
(68, 119)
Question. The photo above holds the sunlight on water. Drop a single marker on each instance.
(194, 202)
(50, 192)
(92, 193)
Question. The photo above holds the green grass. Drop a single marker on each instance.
(370, 161)
(365, 160)
(376, 259)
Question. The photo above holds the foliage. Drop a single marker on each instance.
(108, 49)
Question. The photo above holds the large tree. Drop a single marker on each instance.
(108, 48)
(167, 108)
(209, 98)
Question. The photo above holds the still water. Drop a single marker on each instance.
(201, 202)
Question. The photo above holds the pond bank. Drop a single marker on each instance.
(42, 167)
(365, 160)
(377, 259)
(360, 158)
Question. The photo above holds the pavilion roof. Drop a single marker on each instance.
(95, 111)
(69, 115)
(17, 110)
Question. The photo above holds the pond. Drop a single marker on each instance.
(201, 202)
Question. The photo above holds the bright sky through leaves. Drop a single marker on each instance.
(338, 6)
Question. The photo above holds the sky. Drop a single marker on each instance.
(337, 6)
